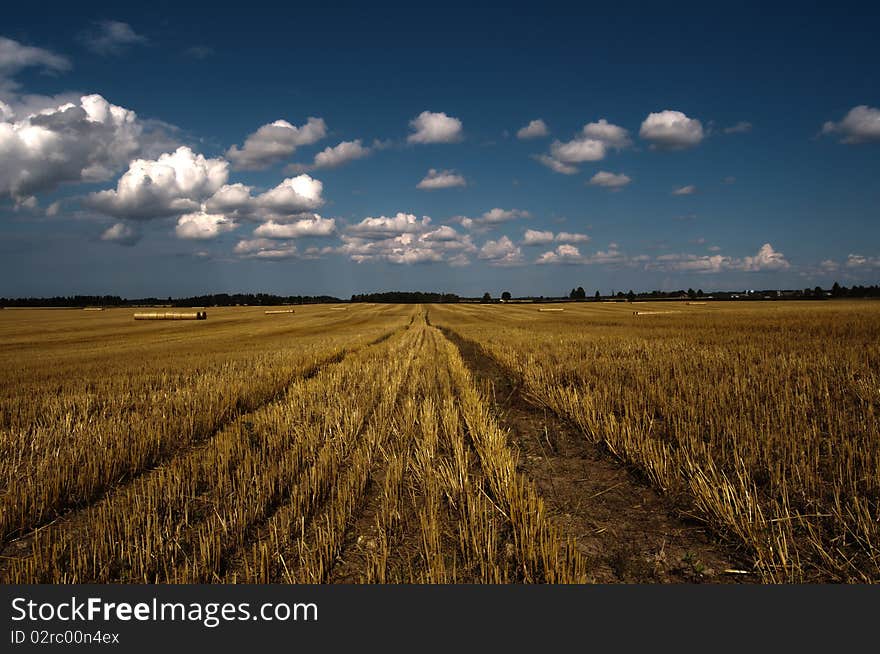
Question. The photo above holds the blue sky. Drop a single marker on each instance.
(692, 146)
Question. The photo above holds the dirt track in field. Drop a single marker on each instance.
(626, 530)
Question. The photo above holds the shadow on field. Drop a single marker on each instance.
(626, 530)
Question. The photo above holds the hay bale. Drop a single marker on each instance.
(171, 315)
(274, 311)
(549, 309)
(93, 308)
(694, 303)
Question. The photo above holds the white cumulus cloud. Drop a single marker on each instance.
(611, 135)
(671, 130)
(501, 252)
(383, 226)
(313, 226)
(433, 127)
(860, 125)
(562, 254)
(203, 226)
(690, 189)
(535, 129)
(175, 183)
(613, 181)
(437, 179)
(89, 140)
(273, 142)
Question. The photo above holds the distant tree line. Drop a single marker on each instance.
(419, 297)
(214, 300)
(406, 297)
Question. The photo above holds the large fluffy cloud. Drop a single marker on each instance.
(860, 125)
(437, 179)
(501, 252)
(202, 226)
(418, 245)
(766, 259)
(86, 141)
(273, 142)
(293, 195)
(175, 183)
(431, 127)
(671, 130)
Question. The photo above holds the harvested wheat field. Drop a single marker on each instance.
(723, 443)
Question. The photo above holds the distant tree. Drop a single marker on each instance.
(486, 298)
(581, 293)
(573, 294)
(818, 290)
(505, 296)
(630, 296)
(699, 292)
(598, 295)
(837, 290)
(692, 293)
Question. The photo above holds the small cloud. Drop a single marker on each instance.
(535, 129)
(740, 128)
(690, 189)
(554, 165)
(613, 181)
(536, 237)
(766, 259)
(671, 130)
(111, 37)
(121, 234)
(611, 135)
(437, 179)
(334, 157)
(431, 127)
(273, 142)
(53, 209)
(568, 254)
(860, 125)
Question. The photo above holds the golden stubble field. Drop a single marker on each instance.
(443, 443)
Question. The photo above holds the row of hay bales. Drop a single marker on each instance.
(171, 315)
(274, 311)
